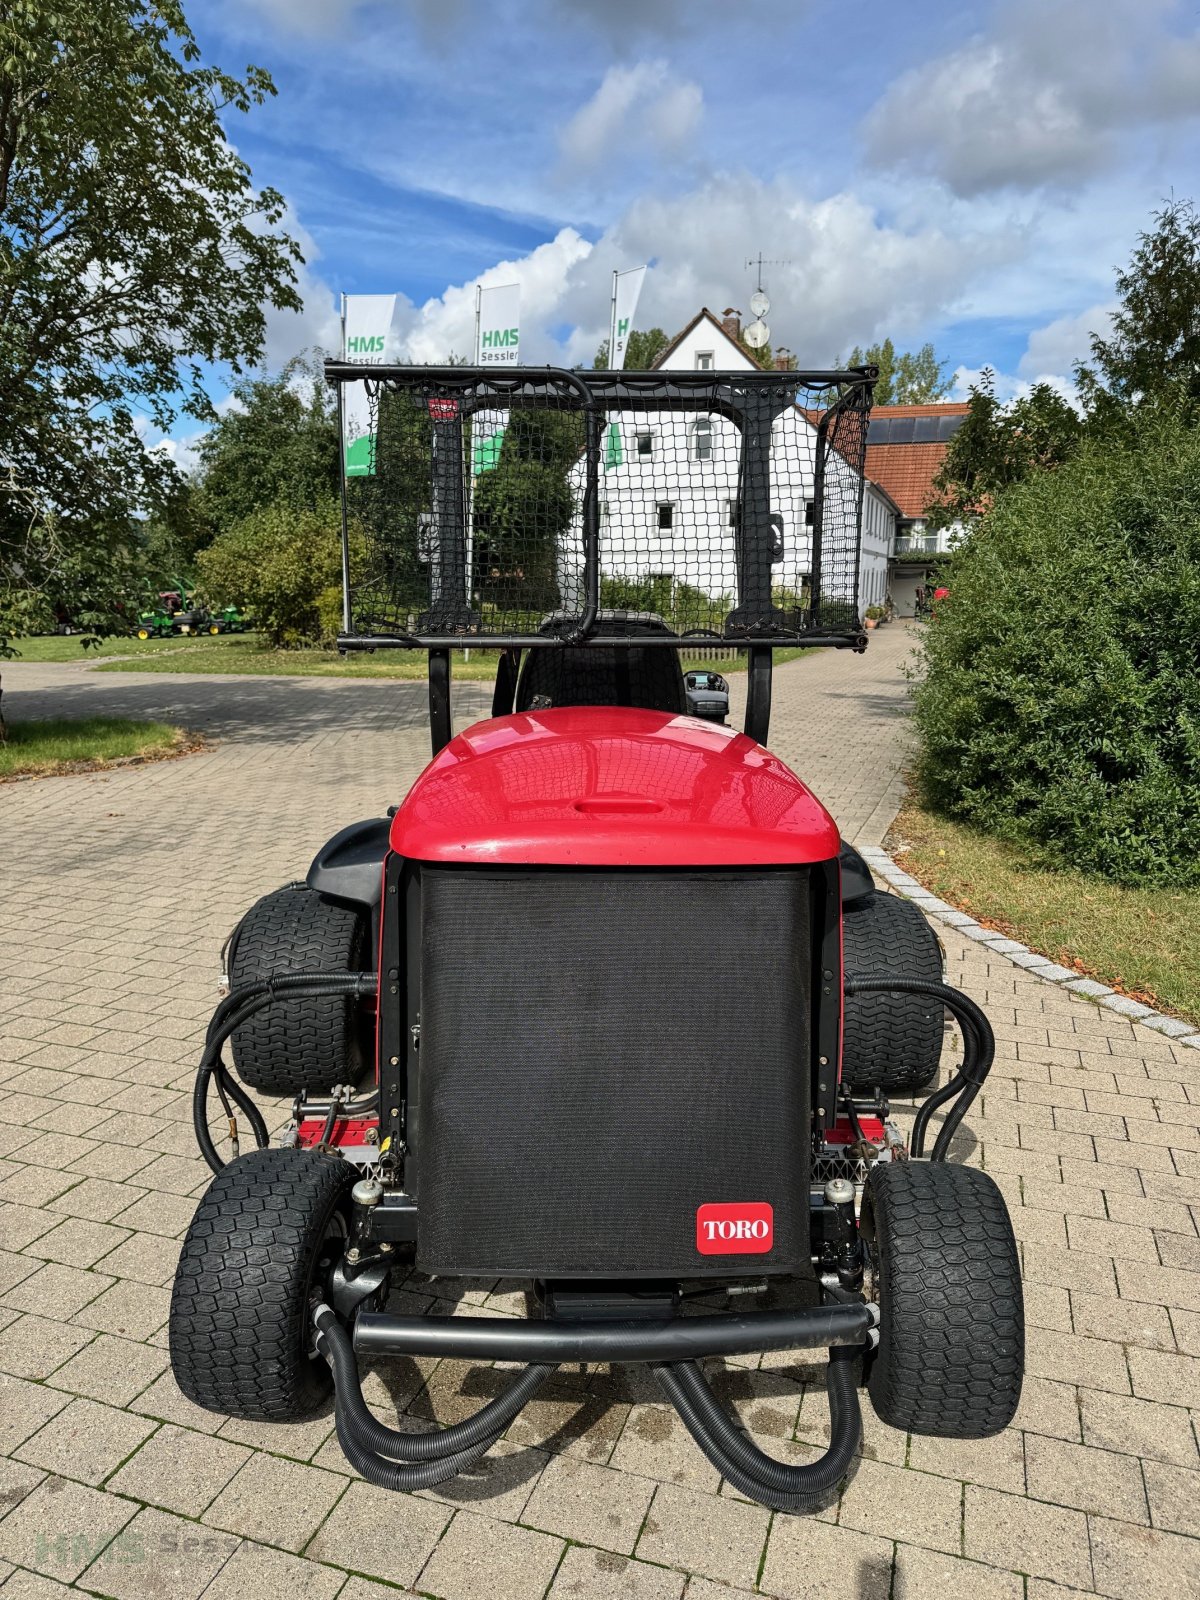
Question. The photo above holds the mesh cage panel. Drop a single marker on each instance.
(537, 505)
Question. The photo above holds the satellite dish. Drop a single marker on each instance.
(759, 303)
(756, 335)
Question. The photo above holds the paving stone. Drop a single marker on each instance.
(380, 1533)
(1174, 1379)
(179, 1470)
(933, 1575)
(481, 1559)
(898, 1502)
(1085, 1478)
(711, 1535)
(1174, 1494)
(1068, 1358)
(276, 1501)
(803, 1558)
(56, 1291)
(255, 1570)
(655, 1444)
(79, 1243)
(24, 1408)
(136, 1310)
(998, 1462)
(1139, 1427)
(160, 1557)
(61, 1527)
(1004, 1530)
(21, 1225)
(1127, 1320)
(1132, 1561)
(116, 1370)
(601, 1575)
(31, 1347)
(17, 1479)
(86, 1441)
(589, 1504)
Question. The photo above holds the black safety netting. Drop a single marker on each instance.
(543, 504)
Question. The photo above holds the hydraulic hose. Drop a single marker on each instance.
(237, 1008)
(487, 1424)
(411, 1461)
(979, 1051)
(750, 1470)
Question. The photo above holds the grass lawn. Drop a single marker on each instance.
(79, 744)
(66, 647)
(1145, 942)
(246, 653)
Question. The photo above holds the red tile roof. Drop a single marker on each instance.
(907, 471)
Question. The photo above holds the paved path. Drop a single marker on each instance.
(115, 893)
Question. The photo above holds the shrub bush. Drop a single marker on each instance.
(1060, 699)
(281, 564)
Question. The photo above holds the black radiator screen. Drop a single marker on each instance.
(604, 1053)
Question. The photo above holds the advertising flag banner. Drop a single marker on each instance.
(499, 323)
(627, 287)
(366, 321)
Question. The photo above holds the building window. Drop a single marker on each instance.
(702, 439)
(704, 360)
(810, 513)
(666, 516)
(645, 445)
(604, 513)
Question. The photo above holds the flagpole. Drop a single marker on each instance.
(612, 323)
(341, 425)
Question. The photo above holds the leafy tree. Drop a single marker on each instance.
(134, 251)
(906, 377)
(523, 508)
(285, 564)
(999, 445)
(276, 445)
(1060, 702)
(643, 349)
(1154, 346)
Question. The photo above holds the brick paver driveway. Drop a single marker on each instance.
(117, 891)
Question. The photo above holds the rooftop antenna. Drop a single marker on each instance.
(757, 334)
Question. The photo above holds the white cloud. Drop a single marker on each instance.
(1041, 99)
(643, 107)
(1008, 386)
(1061, 343)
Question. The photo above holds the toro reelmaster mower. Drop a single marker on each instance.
(500, 1070)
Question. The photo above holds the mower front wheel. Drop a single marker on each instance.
(266, 1232)
(948, 1281)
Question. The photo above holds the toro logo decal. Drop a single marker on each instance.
(743, 1229)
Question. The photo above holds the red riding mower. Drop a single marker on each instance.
(499, 1071)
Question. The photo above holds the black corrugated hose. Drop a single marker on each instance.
(979, 1051)
(411, 1460)
(237, 1008)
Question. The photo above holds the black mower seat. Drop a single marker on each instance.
(593, 675)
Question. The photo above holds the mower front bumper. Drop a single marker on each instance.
(555, 1342)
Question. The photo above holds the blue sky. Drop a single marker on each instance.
(967, 173)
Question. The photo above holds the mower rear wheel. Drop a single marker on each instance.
(948, 1280)
(297, 1043)
(266, 1232)
(891, 1042)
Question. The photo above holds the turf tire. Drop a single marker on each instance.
(891, 1042)
(239, 1329)
(297, 1043)
(948, 1280)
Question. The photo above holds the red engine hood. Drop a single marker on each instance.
(590, 786)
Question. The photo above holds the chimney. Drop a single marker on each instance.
(783, 359)
(731, 321)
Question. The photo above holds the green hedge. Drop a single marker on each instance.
(1060, 702)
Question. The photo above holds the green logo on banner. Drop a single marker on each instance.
(487, 452)
(613, 454)
(360, 456)
(365, 345)
(499, 338)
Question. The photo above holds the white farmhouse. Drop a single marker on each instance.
(669, 499)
